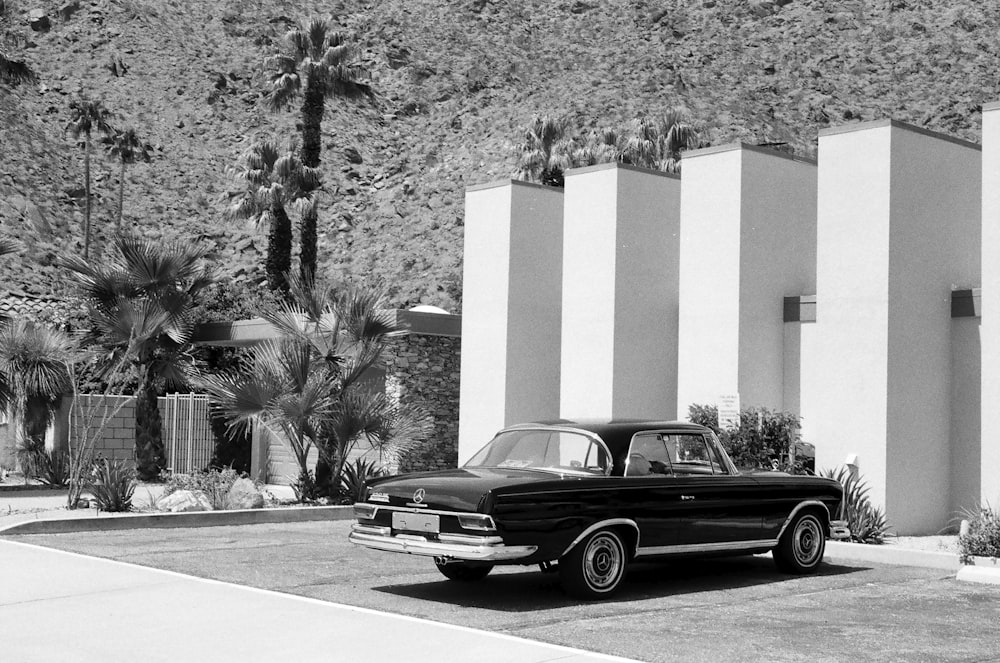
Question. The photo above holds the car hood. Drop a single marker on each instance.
(452, 490)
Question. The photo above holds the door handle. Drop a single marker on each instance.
(685, 498)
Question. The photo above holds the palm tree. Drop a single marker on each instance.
(319, 64)
(140, 299)
(87, 116)
(15, 71)
(34, 376)
(126, 146)
(657, 142)
(544, 152)
(305, 385)
(272, 182)
(604, 146)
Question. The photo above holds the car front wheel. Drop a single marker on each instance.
(801, 547)
(463, 571)
(594, 568)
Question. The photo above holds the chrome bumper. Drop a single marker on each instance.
(839, 530)
(447, 546)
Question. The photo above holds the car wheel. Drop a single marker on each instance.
(464, 571)
(801, 547)
(594, 568)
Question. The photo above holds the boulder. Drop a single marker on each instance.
(184, 500)
(244, 494)
(39, 20)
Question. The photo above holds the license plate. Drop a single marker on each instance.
(416, 522)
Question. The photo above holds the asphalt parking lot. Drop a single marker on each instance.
(722, 610)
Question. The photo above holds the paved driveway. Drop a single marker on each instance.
(726, 610)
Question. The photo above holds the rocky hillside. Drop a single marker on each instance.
(454, 81)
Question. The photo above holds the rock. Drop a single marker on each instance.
(244, 494)
(39, 20)
(581, 7)
(184, 500)
(352, 154)
(68, 9)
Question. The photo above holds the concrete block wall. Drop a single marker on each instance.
(117, 440)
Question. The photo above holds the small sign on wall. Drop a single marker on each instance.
(729, 411)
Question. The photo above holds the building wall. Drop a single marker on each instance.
(512, 309)
(894, 238)
(620, 285)
(748, 240)
(990, 379)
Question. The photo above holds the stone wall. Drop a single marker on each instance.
(424, 370)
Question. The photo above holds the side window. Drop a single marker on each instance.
(648, 455)
(578, 451)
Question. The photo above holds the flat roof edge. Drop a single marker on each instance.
(496, 184)
(760, 149)
(618, 165)
(897, 124)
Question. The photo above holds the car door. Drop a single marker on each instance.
(717, 506)
(651, 493)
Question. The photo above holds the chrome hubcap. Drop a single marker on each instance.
(807, 542)
(603, 562)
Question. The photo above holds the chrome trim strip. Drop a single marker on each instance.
(386, 507)
(723, 546)
(601, 525)
(798, 508)
(484, 551)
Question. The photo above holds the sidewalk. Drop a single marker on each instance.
(55, 603)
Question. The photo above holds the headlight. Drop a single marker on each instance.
(364, 511)
(477, 522)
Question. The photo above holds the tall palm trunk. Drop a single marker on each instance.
(279, 249)
(307, 244)
(312, 122)
(86, 189)
(150, 457)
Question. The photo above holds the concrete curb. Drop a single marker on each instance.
(188, 519)
(981, 569)
(890, 554)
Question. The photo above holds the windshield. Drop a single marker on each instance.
(559, 451)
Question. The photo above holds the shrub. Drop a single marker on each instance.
(215, 484)
(53, 468)
(353, 478)
(761, 441)
(867, 522)
(112, 485)
(983, 536)
(29, 454)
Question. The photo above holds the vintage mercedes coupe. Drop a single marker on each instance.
(587, 498)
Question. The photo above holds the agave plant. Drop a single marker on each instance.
(113, 485)
(356, 475)
(867, 522)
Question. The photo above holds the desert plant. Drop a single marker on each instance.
(4, 473)
(140, 299)
(319, 64)
(355, 476)
(982, 538)
(128, 149)
(54, 468)
(657, 142)
(28, 453)
(764, 439)
(112, 485)
(14, 71)
(215, 484)
(86, 117)
(544, 151)
(867, 522)
(273, 180)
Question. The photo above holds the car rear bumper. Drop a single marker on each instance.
(839, 530)
(447, 546)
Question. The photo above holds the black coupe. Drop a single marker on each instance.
(593, 496)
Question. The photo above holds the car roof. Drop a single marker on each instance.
(616, 433)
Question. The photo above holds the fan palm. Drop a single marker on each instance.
(128, 149)
(657, 143)
(319, 64)
(306, 386)
(544, 152)
(34, 375)
(140, 300)
(86, 117)
(272, 182)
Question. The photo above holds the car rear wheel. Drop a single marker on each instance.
(464, 571)
(594, 568)
(801, 547)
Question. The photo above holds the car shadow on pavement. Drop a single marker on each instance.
(519, 589)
